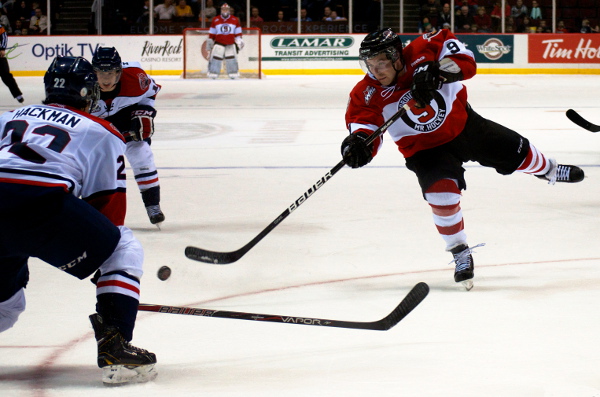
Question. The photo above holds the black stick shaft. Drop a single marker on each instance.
(412, 300)
(222, 258)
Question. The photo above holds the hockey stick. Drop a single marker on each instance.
(222, 258)
(412, 300)
(580, 121)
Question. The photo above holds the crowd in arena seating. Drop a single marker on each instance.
(23, 18)
(520, 16)
(26, 17)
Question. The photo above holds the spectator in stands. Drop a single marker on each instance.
(426, 26)
(326, 14)
(585, 26)
(543, 27)
(209, 11)
(536, 11)
(254, 15)
(165, 11)
(472, 4)
(561, 28)
(431, 9)
(445, 16)
(8, 5)
(183, 11)
(333, 16)
(34, 6)
(280, 16)
(38, 24)
(303, 16)
(5, 22)
(526, 26)
(464, 20)
(483, 21)
(144, 16)
(496, 15)
(519, 12)
(18, 29)
(21, 12)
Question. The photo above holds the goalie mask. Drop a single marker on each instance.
(384, 41)
(225, 10)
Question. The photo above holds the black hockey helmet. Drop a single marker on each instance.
(106, 59)
(384, 41)
(71, 81)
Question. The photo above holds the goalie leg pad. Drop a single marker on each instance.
(231, 63)
(215, 61)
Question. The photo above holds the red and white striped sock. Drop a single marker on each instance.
(535, 163)
(444, 198)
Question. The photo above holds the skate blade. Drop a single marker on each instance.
(118, 375)
(467, 284)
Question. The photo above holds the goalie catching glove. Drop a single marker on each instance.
(142, 124)
(355, 151)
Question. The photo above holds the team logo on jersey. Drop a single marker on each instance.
(426, 119)
(144, 81)
(368, 94)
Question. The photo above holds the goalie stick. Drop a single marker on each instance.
(222, 258)
(580, 121)
(412, 300)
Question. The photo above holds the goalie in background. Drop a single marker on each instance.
(224, 42)
(127, 96)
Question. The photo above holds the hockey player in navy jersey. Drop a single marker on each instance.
(127, 96)
(440, 132)
(62, 200)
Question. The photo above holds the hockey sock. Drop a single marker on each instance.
(118, 295)
(147, 180)
(444, 198)
(151, 196)
(535, 163)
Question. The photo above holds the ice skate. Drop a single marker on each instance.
(465, 266)
(562, 173)
(120, 361)
(155, 214)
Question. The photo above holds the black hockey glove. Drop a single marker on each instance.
(355, 151)
(426, 80)
(142, 124)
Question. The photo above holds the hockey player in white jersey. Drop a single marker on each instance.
(127, 96)
(62, 200)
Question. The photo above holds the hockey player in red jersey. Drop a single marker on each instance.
(62, 200)
(440, 132)
(127, 96)
(224, 42)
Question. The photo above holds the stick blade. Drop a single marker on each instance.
(215, 258)
(580, 121)
(416, 295)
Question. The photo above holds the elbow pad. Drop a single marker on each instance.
(450, 71)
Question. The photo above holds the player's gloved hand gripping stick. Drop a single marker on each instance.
(222, 258)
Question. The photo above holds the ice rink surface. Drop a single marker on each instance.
(233, 155)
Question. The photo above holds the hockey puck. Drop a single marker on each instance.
(164, 273)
